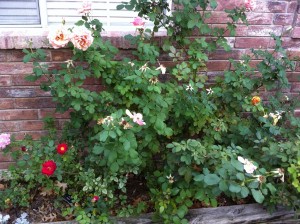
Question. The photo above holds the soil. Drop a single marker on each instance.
(44, 204)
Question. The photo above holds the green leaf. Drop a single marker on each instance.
(112, 134)
(213, 4)
(237, 164)
(114, 167)
(103, 136)
(27, 58)
(98, 149)
(235, 188)
(79, 23)
(223, 185)
(119, 7)
(112, 156)
(245, 192)
(257, 195)
(31, 78)
(211, 179)
(271, 188)
(199, 177)
(126, 145)
(240, 176)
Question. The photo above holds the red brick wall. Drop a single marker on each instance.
(23, 104)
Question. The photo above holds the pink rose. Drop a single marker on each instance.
(82, 39)
(4, 140)
(59, 38)
(85, 8)
(250, 4)
(138, 22)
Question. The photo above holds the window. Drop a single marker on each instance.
(104, 10)
(16, 12)
(44, 13)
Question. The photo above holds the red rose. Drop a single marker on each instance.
(48, 167)
(62, 148)
(23, 148)
(95, 199)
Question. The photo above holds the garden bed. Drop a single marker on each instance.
(251, 213)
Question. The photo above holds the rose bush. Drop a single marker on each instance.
(165, 128)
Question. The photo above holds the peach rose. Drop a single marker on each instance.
(85, 8)
(59, 38)
(255, 100)
(82, 39)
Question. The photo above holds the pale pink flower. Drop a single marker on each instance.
(261, 179)
(4, 140)
(249, 167)
(136, 117)
(162, 68)
(59, 38)
(250, 4)
(138, 22)
(82, 39)
(85, 8)
(279, 172)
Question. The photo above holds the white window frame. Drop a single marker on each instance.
(43, 18)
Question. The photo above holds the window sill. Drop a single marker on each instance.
(19, 38)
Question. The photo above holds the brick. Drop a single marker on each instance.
(15, 56)
(3, 55)
(261, 30)
(276, 6)
(241, 30)
(251, 42)
(218, 17)
(29, 103)
(7, 104)
(217, 65)
(4, 158)
(92, 81)
(293, 53)
(295, 87)
(16, 92)
(15, 68)
(283, 19)
(290, 43)
(293, 76)
(9, 126)
(42, 93)
(51, 112)
(260, 18)
(95, 88)
(5, 165)
(292, 7)
(225, 55)
(6, 115)
(31, 125)
(5, 80)
(19, 80)
(222, 5)
(295, 32)
(61, 55)
(36, 135)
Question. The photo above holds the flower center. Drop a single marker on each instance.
(59, 37)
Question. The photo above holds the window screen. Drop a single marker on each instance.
(19, 12)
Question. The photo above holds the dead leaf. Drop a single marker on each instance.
(49, 218)
(62, 186)
(46, 192)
